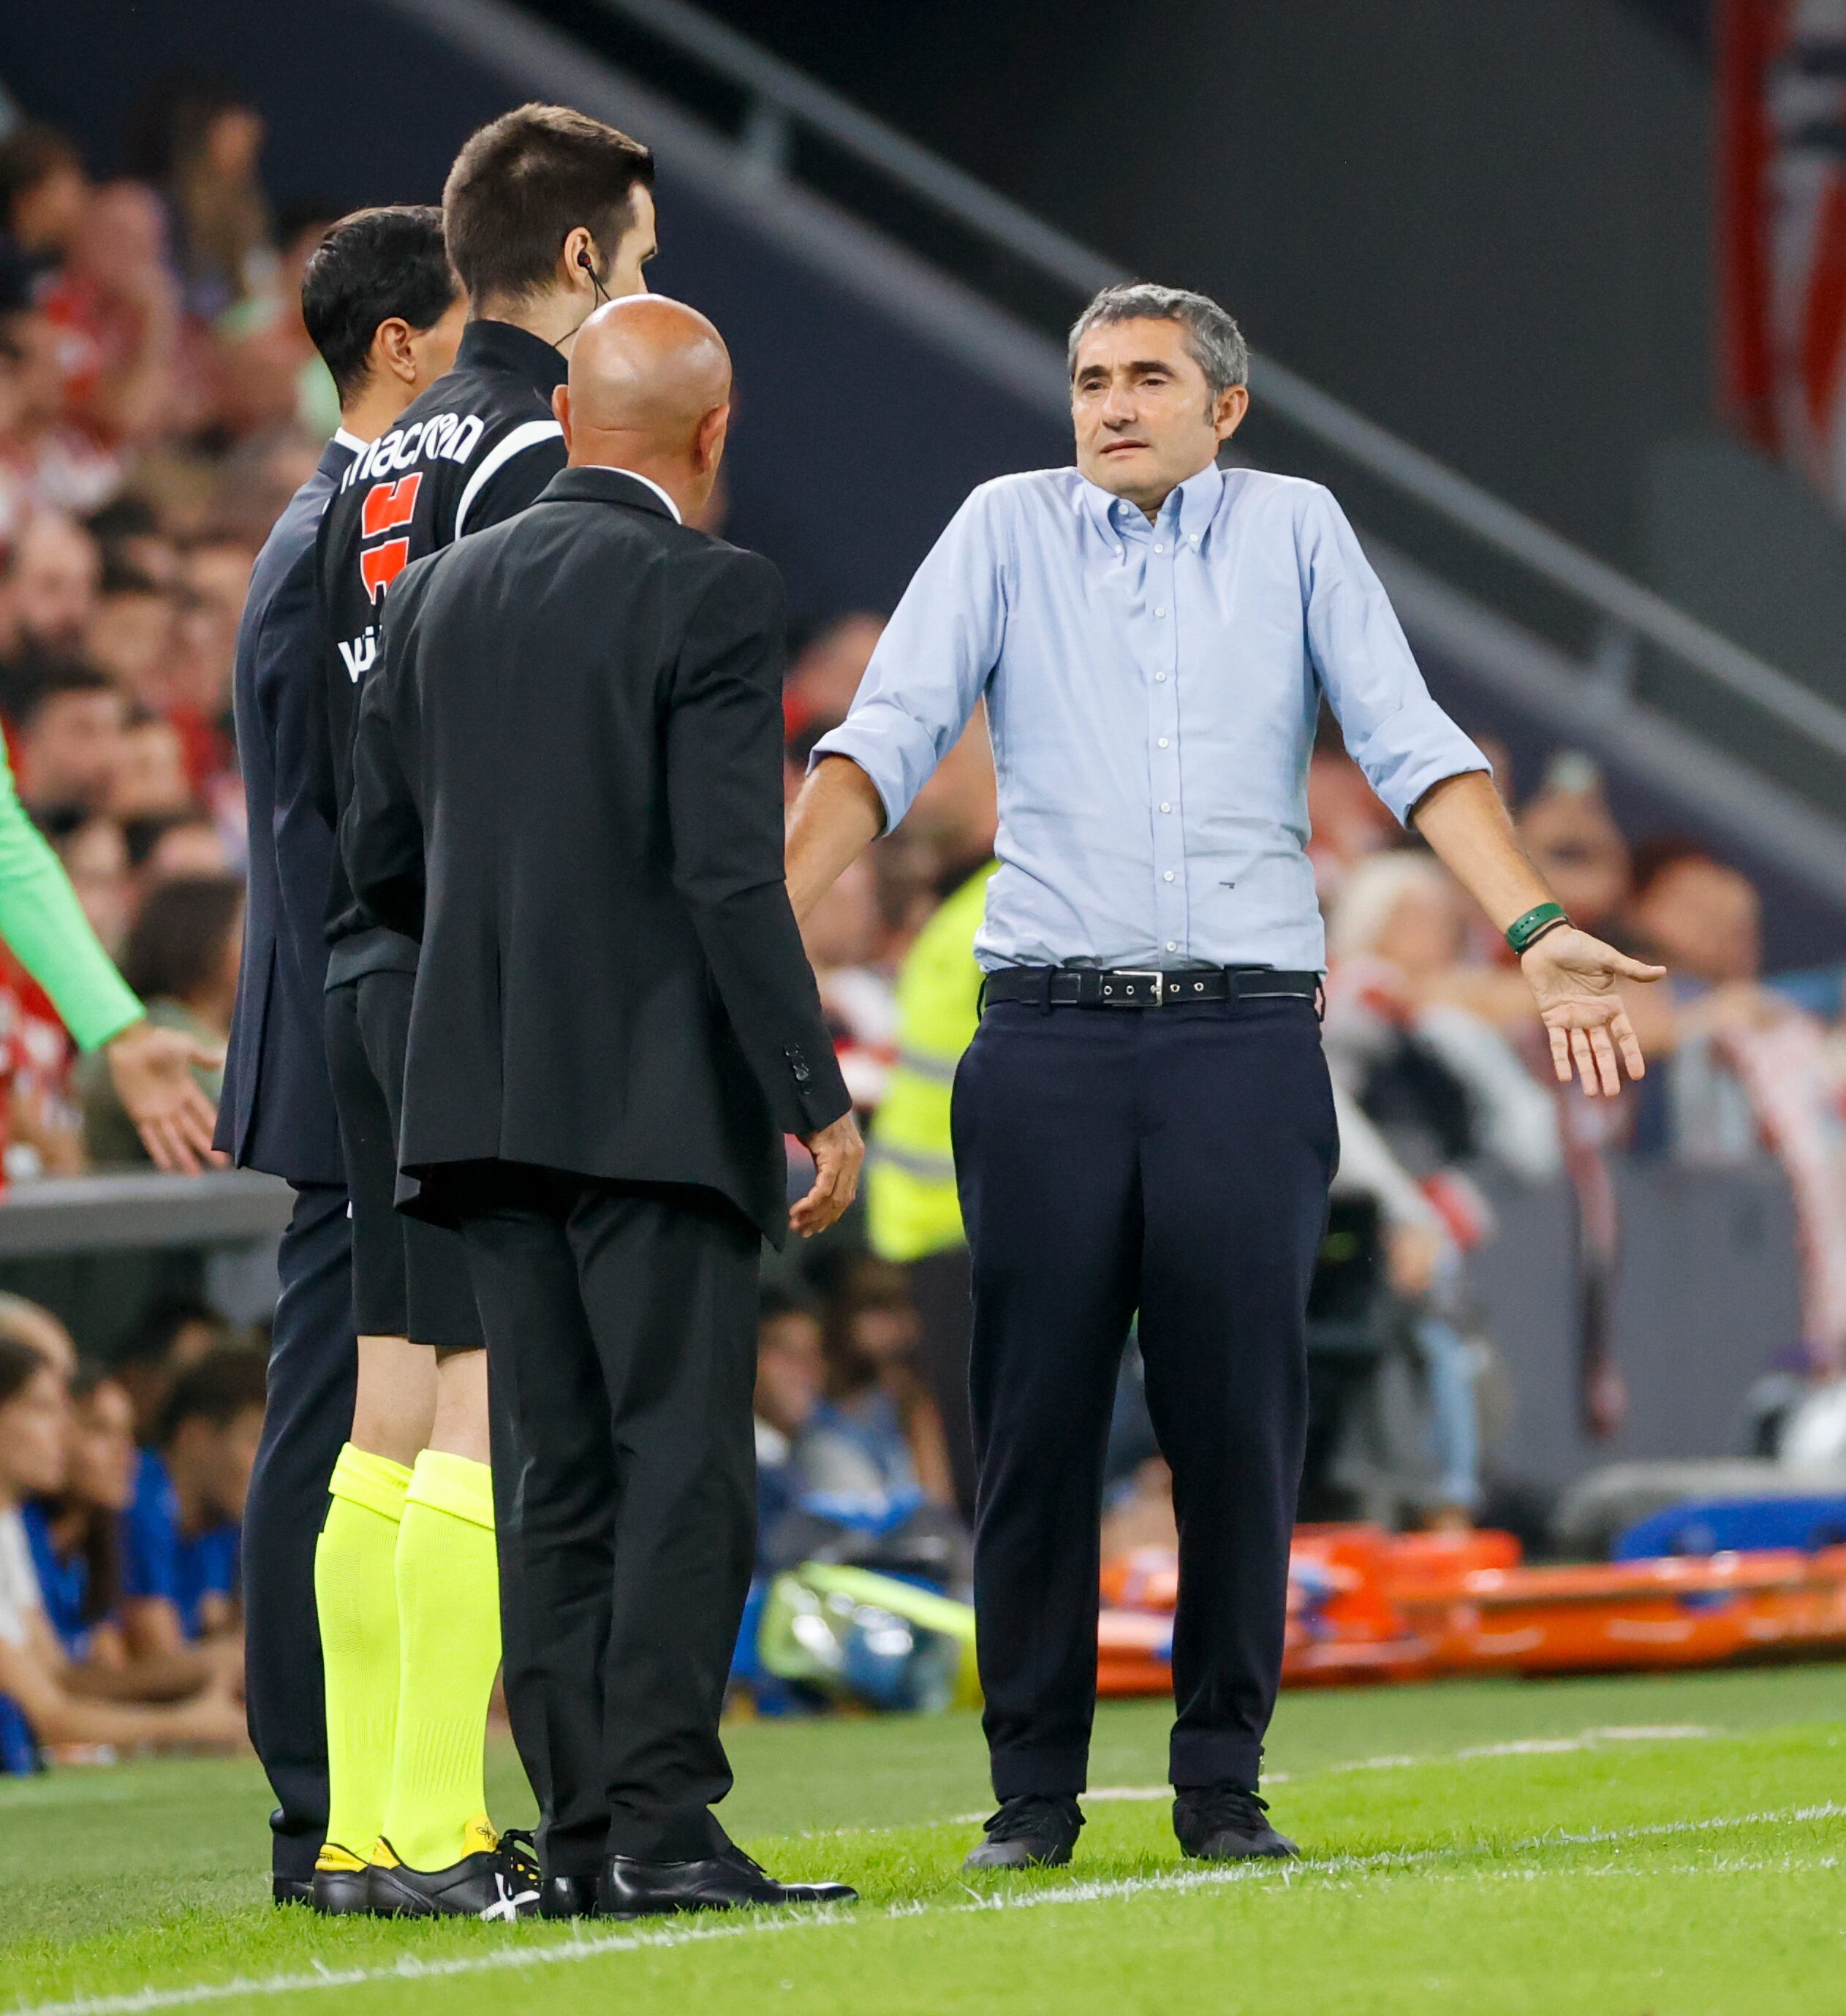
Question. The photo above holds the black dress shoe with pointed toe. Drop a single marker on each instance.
(1227, 1823)
(1034, 1831)
(729, 1881)
(562, 1896)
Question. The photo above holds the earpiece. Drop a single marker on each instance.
(586, 265)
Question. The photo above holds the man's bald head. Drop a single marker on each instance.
(649, 390)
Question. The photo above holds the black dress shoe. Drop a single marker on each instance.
(568, 1896)
(1033, 1831)
(727, 1882)
(1227, 1823)
(500, 1883)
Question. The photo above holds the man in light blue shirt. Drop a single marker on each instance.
(1151, 688)
(1152, 638)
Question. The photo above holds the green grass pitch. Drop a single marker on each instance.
(1654, 1847)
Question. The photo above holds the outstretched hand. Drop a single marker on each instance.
(838, 1151)
(1572, 977)
(153, 1069)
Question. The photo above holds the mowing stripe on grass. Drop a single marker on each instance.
(1537, 1746)
(557, 1953)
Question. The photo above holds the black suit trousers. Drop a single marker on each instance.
(1175, 1161)
(313, 1364)
(620, 1321)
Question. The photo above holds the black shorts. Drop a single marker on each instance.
(409, 1279)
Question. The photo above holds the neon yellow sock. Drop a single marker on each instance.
(448, 1631)
(356, 1596)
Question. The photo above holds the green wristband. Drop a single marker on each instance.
(1526, 930)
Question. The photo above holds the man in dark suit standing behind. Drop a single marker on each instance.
(576, 725)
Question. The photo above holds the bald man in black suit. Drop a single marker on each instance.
(567, 785)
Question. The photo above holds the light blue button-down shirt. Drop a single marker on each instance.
(1151, 691)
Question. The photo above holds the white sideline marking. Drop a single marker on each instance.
(1545, 1746)
(1284, 1874)
(1531, 1746)
(1536, 1746)
(1671, 1731)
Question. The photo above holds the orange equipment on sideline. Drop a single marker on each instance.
(1366, 1605)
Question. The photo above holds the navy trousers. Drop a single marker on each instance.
(313, 1367)
(1174, 1162)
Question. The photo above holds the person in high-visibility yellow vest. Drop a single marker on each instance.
(913, 1214)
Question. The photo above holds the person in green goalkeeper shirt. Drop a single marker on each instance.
(44, 925)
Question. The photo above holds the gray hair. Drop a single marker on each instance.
(1216, 342)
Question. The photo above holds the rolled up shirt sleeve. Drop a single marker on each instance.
(934, 660)
(1397, 734)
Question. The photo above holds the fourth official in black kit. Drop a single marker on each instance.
(567, 786)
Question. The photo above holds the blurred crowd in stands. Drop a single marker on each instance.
(159, 402)
(121, 1490)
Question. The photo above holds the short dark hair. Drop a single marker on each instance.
(30, 156)
(225, 1384)
(774, 1302)
(144, 833)
(128, 517)
(170, 121)
(1656, 857)
(119, 578)
(157, 1328)
(866, 1283)
(179, 939)
(44, 679)
(522, 184)
(372, 265)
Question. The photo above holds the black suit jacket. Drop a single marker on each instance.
(277, 1110)
(567, 783)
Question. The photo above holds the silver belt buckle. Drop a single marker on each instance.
(1147, 972)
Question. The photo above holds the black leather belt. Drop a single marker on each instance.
(1091, 987)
